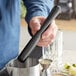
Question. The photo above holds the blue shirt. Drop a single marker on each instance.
(10, 24)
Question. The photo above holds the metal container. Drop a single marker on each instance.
(30, 68)
(15, 68)
(24, 69)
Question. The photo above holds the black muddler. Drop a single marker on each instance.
(34, 40)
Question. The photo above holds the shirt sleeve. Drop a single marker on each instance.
(37, 8)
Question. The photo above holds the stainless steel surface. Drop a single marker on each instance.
(45, 63)
(29, 68)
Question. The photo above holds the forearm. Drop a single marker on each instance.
(38, 8)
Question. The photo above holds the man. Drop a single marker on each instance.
(37, 11)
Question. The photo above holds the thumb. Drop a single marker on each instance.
(35, 24)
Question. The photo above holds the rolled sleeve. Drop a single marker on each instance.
(37, 8)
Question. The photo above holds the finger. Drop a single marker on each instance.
(45, 42)
(47, 33)
(42, 19)
(35, 25)
(51, 31)
(33, 32)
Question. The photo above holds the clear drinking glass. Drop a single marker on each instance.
(56, 53)
(53, 53)
(45, 61)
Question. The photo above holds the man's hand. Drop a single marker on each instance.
(48, 36)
